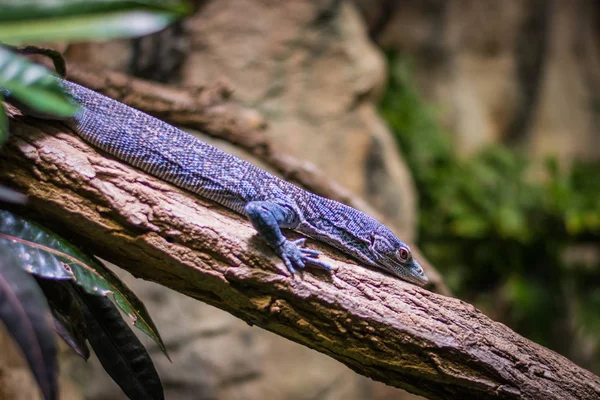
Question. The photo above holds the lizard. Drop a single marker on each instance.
(269, 202)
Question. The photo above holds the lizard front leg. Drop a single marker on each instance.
(268, 217)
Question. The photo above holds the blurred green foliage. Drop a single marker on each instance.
(498, 234)
(26, 21)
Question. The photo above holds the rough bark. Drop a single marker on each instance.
(391, 331)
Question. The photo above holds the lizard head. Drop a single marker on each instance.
(395, 256)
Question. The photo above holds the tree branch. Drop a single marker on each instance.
(381, 327)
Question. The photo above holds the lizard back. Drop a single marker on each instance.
(178, 157)
(171, 154)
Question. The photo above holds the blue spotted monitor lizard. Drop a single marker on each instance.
(269, 202)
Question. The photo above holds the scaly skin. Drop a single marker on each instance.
(268, 201)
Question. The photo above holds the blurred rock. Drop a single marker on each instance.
(17, 381)
(525, 73)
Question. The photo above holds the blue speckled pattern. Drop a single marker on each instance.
(177, 157)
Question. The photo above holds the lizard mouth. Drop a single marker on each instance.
(410, 272)
(415, 273)
(418, 274)
(419, 280)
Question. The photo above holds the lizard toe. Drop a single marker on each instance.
(300, 263)
(296, 257)
(291, 255)
(288, 265)
(299, 242)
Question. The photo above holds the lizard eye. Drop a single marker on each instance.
(403, 254)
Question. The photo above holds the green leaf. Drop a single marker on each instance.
(17, 10)
(121, 353)
(95, 278)
(33, 85)
(86, 27)
(132, 306)
(38, 243)
(32, 246)
(69, 321)
(24, 311)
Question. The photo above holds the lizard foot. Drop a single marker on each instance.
(295, 256)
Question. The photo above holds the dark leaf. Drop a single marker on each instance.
(24, 311)
(119, 350)
(87, 271)
(33, 245)
(69, 321)
(71, 335)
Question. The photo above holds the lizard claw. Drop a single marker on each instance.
(294, 256)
